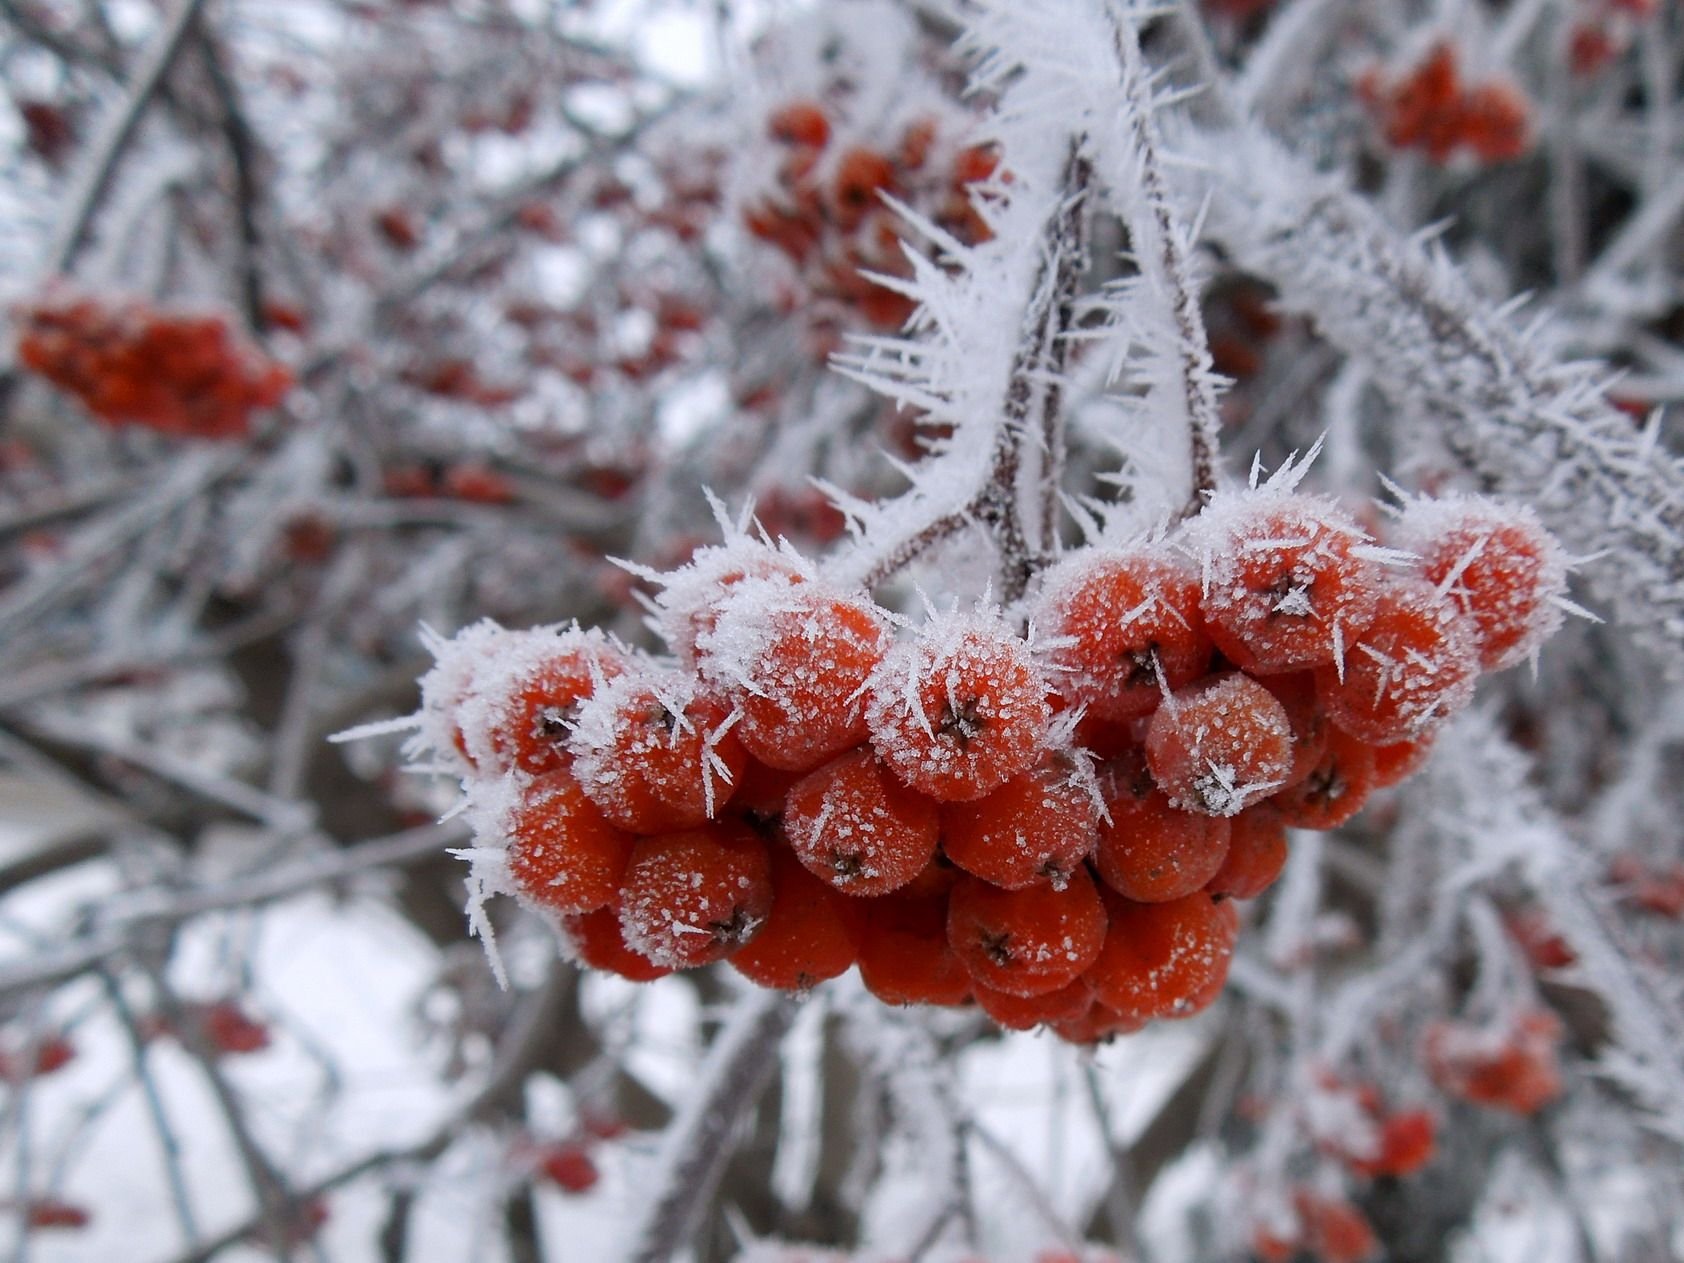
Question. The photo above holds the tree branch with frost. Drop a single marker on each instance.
(1162, 250)
(698, 1143)
(1519, 420)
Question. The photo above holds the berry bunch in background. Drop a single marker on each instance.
(827, 212)
(130, 363)
(1430, 107)
(1048, 810)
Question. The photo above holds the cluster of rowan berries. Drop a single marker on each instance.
(187, 374)
(1053, 825)
(828, 217)
(1513, 1066)
(1603, 31)
(1428, 107)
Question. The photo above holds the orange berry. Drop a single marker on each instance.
(1496, 564)
(975, 164)
(1096, 1024)
(807, 937)
(904, 953)
(1257, 852)
(534, 694)
(562, 852)
(1397, 761)
(1335, 789)
(1040, 825)
(1414, 666)
(797, 658)
(597, 939)
(654, 752)
(800, 123)
(1148, 850)
(1296, 692)
(1026, 942)
(694, 897)
(856, 827)
(860, 176)
(692, 597)
(1023, 1013)
(959, 711)
(1218, 746)
(1286, 581)
(1124, 629)
(1163, 959)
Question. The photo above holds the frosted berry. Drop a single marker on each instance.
(861, 175)
(597, 939)
(1218, 746)
(959, 711)
(694, 897)
(855, 826)
(655, 752)
(1511, 1067)
(1026, 942)
(1164, 959)
(800, 123)
(1125, 628)
(1286, 582)
(797, 658)
(1149, 850)
(1023, 1013)
(1497, 565)
(562, 852)
(1257, 851)
(1397, 761)
(532, 705)
(1296, 692)
(904, 953)
(1335, 788)
(1038, 826)
(807, 937)
(1414, 666)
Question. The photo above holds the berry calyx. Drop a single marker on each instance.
(1124, 629)
(1038, 826)
(959, 711)
(1026, 942)
(856, 827)
(694, 897)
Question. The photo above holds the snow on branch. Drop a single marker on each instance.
(1507, 409)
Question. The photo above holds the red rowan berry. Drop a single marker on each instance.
(935, 880)
(1414, 666)
(597, 939)
(905, 957)
(959, 711)
(1149, 850)
(1287, 583)
(1335, 789)
(691, 597)
(1026, 942)
(1495, 121)
(975, 164)
(860, 176)
(916, 142)
(1040, 825)
(758, 797)
(1218, 746)
(1096, 1024)
(533, 694)
(1023, 1013)
(1396, 761)
(654, 752)
(1124, 629)
(569, 1166)
(1416, 110)
(800, 123)
(1257, 852)
(228, 1028)
(1512, 1067)
(1296, 692)
(807, 937)
(1407, 1143)
(1163, 959)
(798, 658)
(50, 1212)
(1495, 563)
(695, 897)
(1334, 1230)
(853, 825)
(562, 852)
